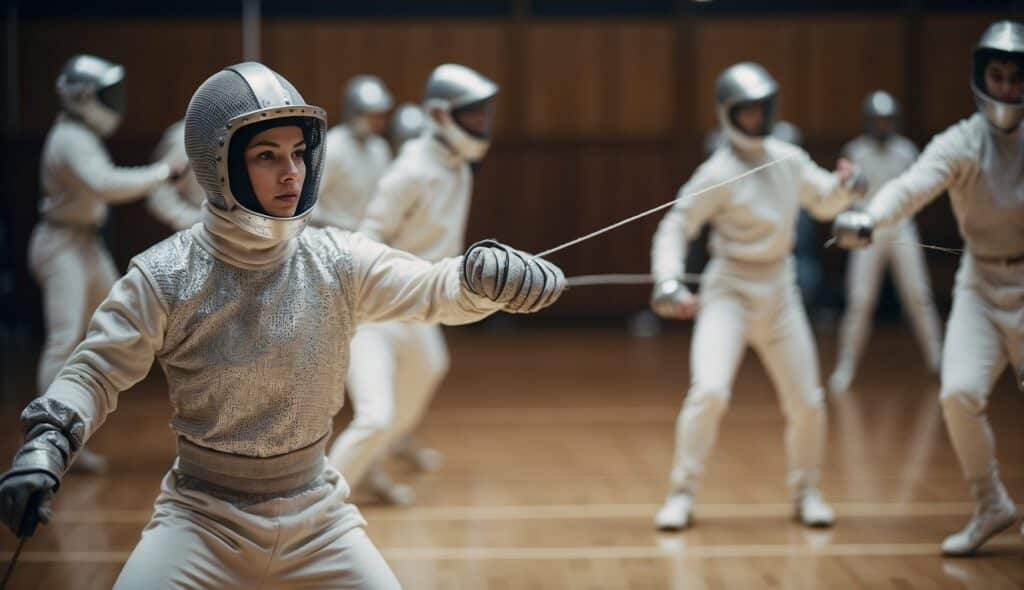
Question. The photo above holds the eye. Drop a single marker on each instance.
(265, 155)
(299, 154)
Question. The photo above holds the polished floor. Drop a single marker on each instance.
(557, 445)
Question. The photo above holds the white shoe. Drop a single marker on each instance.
(994, 512)
(812, 509)
(90, 463)
(426, 459)
(841, 379)
(675, 514)
(387, 491)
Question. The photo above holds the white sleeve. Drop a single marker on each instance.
(933, 172)
(124, 336)
(393, 285)
(397, 192)
(683, 222)
(167, 204)
(91, 164)
(821, 193)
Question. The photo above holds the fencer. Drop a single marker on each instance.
(748, 291)
(79, 181)
(251, 319)
(356, 154)
(882, 154)
(178, 204)
(979, 161)
(421, 207)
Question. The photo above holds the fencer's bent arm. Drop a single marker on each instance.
(821, 192)
(89, 161)
(396, 193)
(683, 222)
(394, 285)
(168, 206)
(123, 338)
(933, 172)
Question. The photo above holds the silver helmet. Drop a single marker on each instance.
(454, 90)
(364, 95)
(92, 90)
(741, 85)
(879, 107)
(407, 122)
(226, 110)
(1003, 40)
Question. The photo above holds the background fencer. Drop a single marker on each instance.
(421, 207)
(356, 154)
(748, 291)
(78, 179)
(178, 204)
(882, 154)
(251, 319)
(980, 163)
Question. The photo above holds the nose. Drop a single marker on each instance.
(290, 172)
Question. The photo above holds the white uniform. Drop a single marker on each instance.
(253, 395)
(177, 205)
(749, 295)
(66, 255)
(882, 161)
(352, 169)
(421, 206)
(983, 171)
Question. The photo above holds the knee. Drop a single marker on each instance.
(707, 399)
(375, 423)
(962, 400)
(809, 406)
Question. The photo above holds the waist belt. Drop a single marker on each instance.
(252, 475)
(1001, 260)
(79, 226)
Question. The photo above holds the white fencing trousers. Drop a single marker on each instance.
(75, 272)
(985, 330)
(395, 368)
(311, 540)
(761, 307)
(864, 278)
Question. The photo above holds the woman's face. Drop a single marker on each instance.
(277, 170)
(1004, 81)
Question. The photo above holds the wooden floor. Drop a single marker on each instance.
(558, 444)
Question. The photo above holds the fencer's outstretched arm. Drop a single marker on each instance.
(684, 221)
(394, 285)
(823, 193)
(167, 205)
(123, 337)
(397, 192)
(934, 171)
(88, 159)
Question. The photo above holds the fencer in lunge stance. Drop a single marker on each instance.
(356, 154)
(251, 322)
(421, 207)
(882, 154)
(980, 162)
(748, 292)
(79, 181)
(178, 204)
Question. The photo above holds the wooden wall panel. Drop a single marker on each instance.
(599, 80)
(848, 59)
(946, 55)
(403, 55)
(165, 62)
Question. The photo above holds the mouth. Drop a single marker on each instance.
(287, 198)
